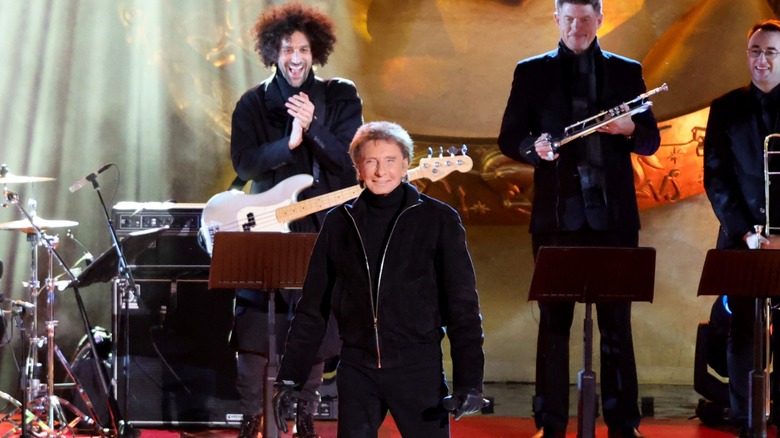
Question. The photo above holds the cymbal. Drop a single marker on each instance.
(44, 224)
(10, 178)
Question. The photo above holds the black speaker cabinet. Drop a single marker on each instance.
(174, 364)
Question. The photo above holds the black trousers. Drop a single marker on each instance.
(412, 394)
(618, 378)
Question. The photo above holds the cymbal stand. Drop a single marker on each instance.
(47, 405)
(29, 382)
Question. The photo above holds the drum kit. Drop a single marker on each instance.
(40, 412)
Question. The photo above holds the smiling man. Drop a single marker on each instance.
(739, 121)
(292, 123)
(394, 268)
(584, 195)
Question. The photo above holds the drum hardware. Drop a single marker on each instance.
(26, 226)
(6, 177)
(590, 125)
(42, 411)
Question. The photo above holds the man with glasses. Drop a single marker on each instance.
(739, 121)
(584, 195)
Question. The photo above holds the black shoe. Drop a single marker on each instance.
(630, 433)
(548, 433)
(250, 426)
(304, 421)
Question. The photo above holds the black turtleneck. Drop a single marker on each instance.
(381, 210)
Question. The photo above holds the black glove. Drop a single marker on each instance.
(463, 404)
(283, 398)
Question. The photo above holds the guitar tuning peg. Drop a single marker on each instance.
(441, 151)
(430, 152)
(452, 150)
(464, 149)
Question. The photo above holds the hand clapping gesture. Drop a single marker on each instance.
(302, 110)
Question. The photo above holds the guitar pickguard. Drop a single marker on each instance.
(230, 211)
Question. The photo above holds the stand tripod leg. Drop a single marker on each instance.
(758, 377)
(92, 419)
(269, 424)
(8, 418)
(586, 382)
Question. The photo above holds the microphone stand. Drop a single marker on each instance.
(123, 428)
(13, 198)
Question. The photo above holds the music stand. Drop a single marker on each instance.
(104, 268)
(268, 261)
(591, 275)
(755, 274)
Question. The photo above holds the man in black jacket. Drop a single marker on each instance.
(292, 123)
(394, 269)
(738, 123)
(584, 195)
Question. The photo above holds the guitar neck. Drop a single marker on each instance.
(306, 207)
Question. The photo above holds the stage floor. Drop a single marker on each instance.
(669, 413)
(493, 427)
(673, 416)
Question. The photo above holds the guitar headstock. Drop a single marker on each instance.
(436, 168)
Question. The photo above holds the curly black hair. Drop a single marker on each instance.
(278, 23)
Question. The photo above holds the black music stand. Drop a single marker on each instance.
(268, 261)
(590, 275)
(104, 268)
(756, 274)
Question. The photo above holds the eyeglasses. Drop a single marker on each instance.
(769, 53)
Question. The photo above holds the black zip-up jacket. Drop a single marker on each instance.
(426, 285)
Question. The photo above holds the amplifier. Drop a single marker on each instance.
(181, 218)
(178, 366)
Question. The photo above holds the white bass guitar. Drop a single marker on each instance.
(274, 209)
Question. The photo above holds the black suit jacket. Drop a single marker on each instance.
(734, 167)
(540, 102)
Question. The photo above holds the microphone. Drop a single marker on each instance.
(83, 181)
(24, 304)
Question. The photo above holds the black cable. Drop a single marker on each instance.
(152, 329)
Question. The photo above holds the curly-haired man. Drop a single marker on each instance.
(291, 123)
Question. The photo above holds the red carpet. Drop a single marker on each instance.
(485, 426)
(495, 427)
